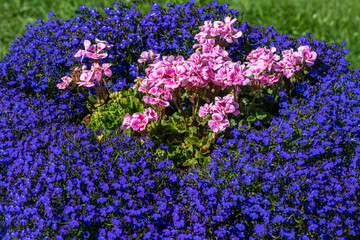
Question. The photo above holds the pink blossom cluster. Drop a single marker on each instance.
(87, 77)
(138, 121)
(219, 111)
(266, 67)
(224, 29)
(211, 66)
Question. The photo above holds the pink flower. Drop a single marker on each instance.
(206, 27)
(97, 55)
(87, 78)
(106, 69)
(157, 73)
(87, 51)
(219, 123)
(269, 80)
(146, 85)
(305, 55)
(153, 101)
(144, 56)
(201, 37)
(66, 81)
(97, 71)
(151, 114)
(204, 110)
(87, 75)
(126, 122)
(139, 121)
(107, 45)
(219, 24)
(94, 51)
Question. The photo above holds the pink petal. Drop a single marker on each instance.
(217, 117)
(66, 79)
(164, 103)
(79, 53)
(87, 44)
(214, 126)
(62, 85)
(100, 47)
(108, 72)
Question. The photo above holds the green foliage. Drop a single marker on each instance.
(110, 116)
(188, 144)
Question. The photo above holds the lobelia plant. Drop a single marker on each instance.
(189, 100)
(296, 179)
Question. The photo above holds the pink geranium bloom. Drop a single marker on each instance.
(97, 71)
(219, 123)
(305, 55)
(219, 24)
(126, 122)
(201, 37)
(144, 56)
(139, 121)
(97, 55)
(62, 85)
(100, 47)
(86, 84)
(107, 45)
(151, 114)
(153, 101)
(88, 50)
(206, 27)
(204, 110)
(66, 81)
(146, 85)
(157, 73)
(106, 69)
(87, 75)
(87, 78)
(269, 80)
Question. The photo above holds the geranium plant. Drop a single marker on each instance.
(188, 103)
(93, 77)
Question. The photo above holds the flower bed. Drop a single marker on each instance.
(297, 178)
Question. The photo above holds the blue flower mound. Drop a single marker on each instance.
(297, 179)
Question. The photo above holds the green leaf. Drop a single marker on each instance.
(193, 129)
(251, 118)
(260, 114)
(192, 140)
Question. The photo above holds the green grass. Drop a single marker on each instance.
(331, 20)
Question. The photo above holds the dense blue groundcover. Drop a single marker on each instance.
(297, 179)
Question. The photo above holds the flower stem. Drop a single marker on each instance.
(85, 95)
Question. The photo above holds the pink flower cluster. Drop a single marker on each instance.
(266, 67)
(202, 68)
(88, 77)
(219, 111)
(225, 30)
(138, 121)
(210, 66)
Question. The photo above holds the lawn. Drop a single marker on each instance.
(331, 20)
